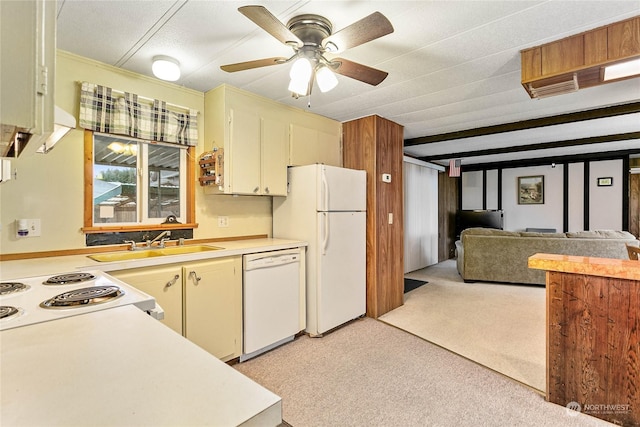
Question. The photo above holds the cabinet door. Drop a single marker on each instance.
(244, 156)
(213, 306)
(329, 149)
(309, 146)
(162, 283)
(303, 146)
(275, 141)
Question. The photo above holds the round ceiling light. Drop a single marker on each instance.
(166, 68)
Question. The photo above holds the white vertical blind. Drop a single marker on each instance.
(421, 216)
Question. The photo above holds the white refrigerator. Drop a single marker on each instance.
(326, 207)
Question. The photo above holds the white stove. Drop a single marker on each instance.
(32, 300)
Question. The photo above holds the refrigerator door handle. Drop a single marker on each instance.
(325, 237)
(325, 191)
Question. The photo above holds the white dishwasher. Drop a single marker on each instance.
(271, 300)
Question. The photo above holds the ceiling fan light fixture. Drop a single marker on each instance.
(301, 70)
(299, 87)
(326, 79)
(166, 68)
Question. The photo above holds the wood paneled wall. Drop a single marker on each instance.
(448, 196)
(634, 204)
(375, 145)
(593, 345)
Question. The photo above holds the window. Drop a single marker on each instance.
(135, 183)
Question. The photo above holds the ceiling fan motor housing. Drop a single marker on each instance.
(311, 29)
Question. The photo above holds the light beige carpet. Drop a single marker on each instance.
(500, 326)
(371, 374)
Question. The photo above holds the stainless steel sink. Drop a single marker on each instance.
(150, 253)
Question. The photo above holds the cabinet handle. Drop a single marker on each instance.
(266, 190)
(193, 274)
(255, 190)
(172, 281)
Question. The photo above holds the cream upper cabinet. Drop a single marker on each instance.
(255, 139)
(255, 133)
(243, 156)
(275, 156)
(310, 145)
(27, 66)
(258, 157)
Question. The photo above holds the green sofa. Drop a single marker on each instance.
(491, 255)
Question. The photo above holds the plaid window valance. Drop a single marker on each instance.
(103, 109)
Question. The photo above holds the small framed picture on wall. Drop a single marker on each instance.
(531, 190)
(605, 182)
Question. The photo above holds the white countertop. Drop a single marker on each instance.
(121, 367)
(55, 265)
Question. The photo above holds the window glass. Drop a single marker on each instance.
(164, 181)
(136, 181)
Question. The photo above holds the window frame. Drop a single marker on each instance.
(89, 226)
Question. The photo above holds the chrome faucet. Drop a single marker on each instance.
(160, 237)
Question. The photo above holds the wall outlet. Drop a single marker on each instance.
(386, 177)
(30, 226)
(223, 221)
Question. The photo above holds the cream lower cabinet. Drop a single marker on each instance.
(164, 283)
(202, 300)
(213, 306)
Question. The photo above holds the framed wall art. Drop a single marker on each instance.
(605, 182)
(531, 190)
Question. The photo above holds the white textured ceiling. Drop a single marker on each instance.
(453, 65)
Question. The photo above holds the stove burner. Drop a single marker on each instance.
(65, 279)
(7, 311)
(83, 297)
(7, 288)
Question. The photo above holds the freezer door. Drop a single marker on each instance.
(341, 189)
(341, 280)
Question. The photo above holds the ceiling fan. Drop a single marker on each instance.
(311, 36)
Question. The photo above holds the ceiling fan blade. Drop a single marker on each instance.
(358, 71)
(368, 28)
(241, 66)
(265, 20)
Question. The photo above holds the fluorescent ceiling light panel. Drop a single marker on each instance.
(622, 70)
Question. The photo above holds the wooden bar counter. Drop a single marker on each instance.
(593, 335)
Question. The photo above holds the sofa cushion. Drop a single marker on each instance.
(480, 231)
(535, 234)
(601, 234)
